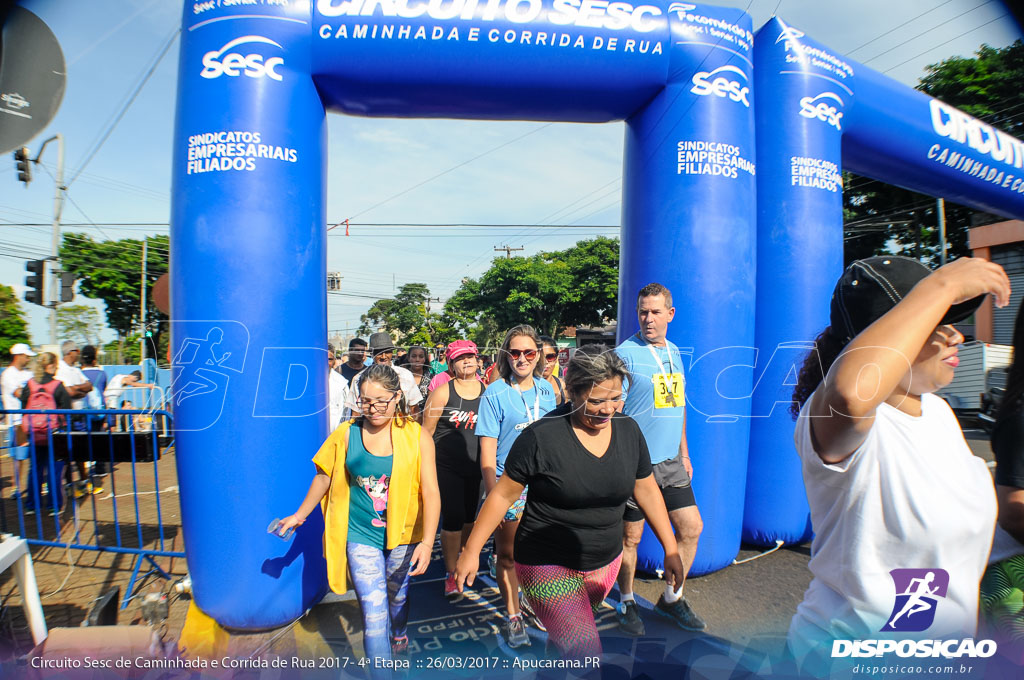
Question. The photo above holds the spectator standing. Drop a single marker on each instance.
(337, 391)
(94, 399)
(77, 386)
(382, 348)
(40, 429)
(656, 401)
(12, 380)
(519, 397)
(417, 365)
(356, 359)
(450, 417)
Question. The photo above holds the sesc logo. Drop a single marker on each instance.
(222, 62)
(703, 85)
(814, 107)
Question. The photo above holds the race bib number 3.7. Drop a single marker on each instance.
(668, 390)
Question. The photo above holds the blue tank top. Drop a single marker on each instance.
(369, 478)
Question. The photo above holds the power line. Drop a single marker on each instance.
(906, 41)
(933, 47)
(124, 109)
(882, 35)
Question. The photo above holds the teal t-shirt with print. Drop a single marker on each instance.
(369, 478)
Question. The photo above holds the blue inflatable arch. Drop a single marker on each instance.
(819, 112)
(249, 258)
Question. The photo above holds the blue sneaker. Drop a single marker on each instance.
(492, 566)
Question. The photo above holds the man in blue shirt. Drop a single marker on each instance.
(656, 400)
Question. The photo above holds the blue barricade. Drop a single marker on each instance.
(89, 445)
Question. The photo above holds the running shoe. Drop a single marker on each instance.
(680, 612)
(400, 647)
(451, 589)
(515, 633)
(492, 566)
(528, 613)
(628, 616)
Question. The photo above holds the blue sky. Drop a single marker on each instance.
(396, 171)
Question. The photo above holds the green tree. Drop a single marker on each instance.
(549, 291)
(886, 219)
(112, 271)
(408, 318)
(593, 266)
(13, 326)
(79, 322)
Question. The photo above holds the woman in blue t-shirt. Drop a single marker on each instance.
(509, 405)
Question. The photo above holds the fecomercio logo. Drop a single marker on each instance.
(222, 62)
(815, 107)
(681, 8)
(721, 86)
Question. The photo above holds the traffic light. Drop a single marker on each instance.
(24, 165)
(35, 281)
(67, 287)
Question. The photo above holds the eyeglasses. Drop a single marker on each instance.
(377, 405)
(528, 354)
(550, 357)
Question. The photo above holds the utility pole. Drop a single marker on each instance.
(58, 208)
(142, 304)
(942, 230)
(508, 251)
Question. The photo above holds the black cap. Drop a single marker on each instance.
(381, 342)
(871, 287)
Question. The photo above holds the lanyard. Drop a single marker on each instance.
(536, 403)
(657, 360)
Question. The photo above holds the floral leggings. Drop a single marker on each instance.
(565, 601)
(381, 582)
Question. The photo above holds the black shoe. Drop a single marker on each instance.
(680, 612)
(628, 615)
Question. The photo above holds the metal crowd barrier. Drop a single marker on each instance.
(124, 436)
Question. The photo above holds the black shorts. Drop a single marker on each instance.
(460, 496)
(674, 482)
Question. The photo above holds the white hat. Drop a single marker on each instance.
(21, 348)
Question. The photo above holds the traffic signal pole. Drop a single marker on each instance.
(58, 208)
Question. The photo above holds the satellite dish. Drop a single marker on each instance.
(32, 78)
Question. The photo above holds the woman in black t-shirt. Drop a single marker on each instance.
(581, 462)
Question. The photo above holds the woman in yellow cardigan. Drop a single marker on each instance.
(377, 484)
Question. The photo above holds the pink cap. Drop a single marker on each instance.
(460, 347)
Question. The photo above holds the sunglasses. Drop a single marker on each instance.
(529, 354)
(550, 357)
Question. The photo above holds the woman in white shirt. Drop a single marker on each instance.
(890, 480)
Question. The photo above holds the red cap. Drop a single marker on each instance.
(460, 347)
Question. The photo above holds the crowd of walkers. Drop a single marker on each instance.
(563, 468)
(570, 466)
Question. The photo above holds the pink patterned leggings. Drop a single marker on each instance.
(565, 601)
